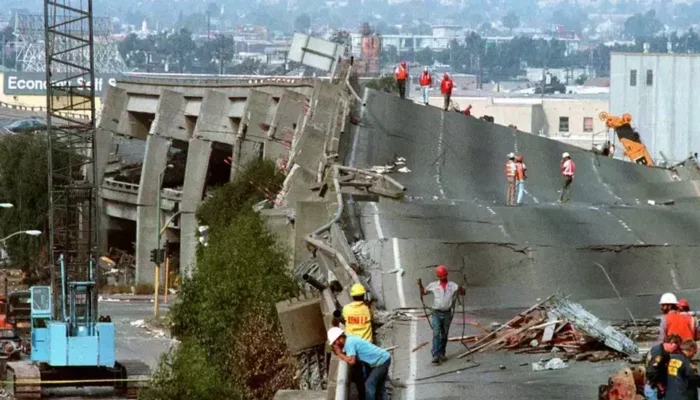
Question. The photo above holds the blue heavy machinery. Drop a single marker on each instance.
(71, 345)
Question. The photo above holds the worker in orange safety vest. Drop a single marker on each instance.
(510, 176)
(684, 308)
(426, 83)
(520, 176)
(446, 89)
(673, 322)
(401, 74)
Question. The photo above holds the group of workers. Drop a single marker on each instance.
(669, 373)
(426, 84)
(516, 174)
(369, 363)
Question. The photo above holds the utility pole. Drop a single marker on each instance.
(221, 55)
(4, 44)
(208, 25)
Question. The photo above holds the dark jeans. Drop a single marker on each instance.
(402, 88)
(441, 321)
(447, 100)
(375, 385)
(357, 376)
(566, 189)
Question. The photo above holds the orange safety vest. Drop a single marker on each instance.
(401, 73)
(680, 325)
(520, 169)
(510, 169)
(425, 79)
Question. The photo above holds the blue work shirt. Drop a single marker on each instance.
(365, 351)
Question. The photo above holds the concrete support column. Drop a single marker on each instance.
(154, 161)
(198, 154)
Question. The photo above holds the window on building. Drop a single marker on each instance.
(633, 77)
(563, 124)
(588, 124)
(650, 77)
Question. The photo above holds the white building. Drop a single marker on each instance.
(660, 91)
(572, 119)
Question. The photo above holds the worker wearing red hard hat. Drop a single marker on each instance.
(401, 74)
(444, 298)
(446, 89)
(520, 176)
(684, 309)
(673, 322)
(568, 169)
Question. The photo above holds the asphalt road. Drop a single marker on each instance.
(608, 249)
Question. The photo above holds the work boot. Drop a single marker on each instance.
(443, 358)
(436, 360)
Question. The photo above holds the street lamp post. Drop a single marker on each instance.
(31, 232)
(156, 307)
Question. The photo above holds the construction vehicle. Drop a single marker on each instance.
(632, 144)
(77, 348)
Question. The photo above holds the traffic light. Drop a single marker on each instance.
(157, 256)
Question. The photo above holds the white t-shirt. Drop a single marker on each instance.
(442, 298)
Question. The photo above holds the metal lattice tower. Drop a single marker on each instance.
(29, 34)
(70, 77)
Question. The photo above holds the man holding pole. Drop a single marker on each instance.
(444, 297)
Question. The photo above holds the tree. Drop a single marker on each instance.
(213, 9)
(302, 23)
(511, 20)
(231, 342)
(424, 56)
(24, 183)
(385, 84)
(641, 26)
(181, 47)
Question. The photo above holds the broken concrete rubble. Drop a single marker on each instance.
(558, 323)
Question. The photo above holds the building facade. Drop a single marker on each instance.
(660, 92)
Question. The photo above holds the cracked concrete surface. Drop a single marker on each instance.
(454, 213)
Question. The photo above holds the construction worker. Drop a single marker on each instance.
(657, 366)
(684, 309)
(358, 322)
(444, 297)
(568, 168)
(520, 176)
(401, 74)
(510, 176)
(426, 83)
(468, 110)
(446, 89)
(673, 322)
(354, 349)
(682, 376)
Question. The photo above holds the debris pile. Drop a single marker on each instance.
(558, 325)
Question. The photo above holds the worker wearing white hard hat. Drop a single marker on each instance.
(352, 349)
(568, 169)
(674, 322)
(510, 178)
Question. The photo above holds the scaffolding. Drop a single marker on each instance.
(70, 90)
(29, 39)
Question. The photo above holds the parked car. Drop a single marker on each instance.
(25, 126)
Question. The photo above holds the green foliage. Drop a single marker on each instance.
(302, 23)
(226, 310)
(144, 288)
(24, 183)
(384, 84)
(511, 20)
(425, 56)
(643, 25)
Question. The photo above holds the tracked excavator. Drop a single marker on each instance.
(630, 139)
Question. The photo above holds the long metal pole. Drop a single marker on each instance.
(167, 278)
(156, 280)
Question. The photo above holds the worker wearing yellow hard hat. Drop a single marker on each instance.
(358, 319)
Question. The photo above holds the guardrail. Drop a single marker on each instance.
(209, 81)
(21, 107)
(133, 188)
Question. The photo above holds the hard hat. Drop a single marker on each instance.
(511, 155)
(446, 75)
(682, 303)
(519, 158)
(565, 154)
(668, 298)
(441, 271)
(425, 69)
(333, 334)
(403, 63)
(357, 290)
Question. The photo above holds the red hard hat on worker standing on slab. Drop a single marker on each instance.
(441, 271)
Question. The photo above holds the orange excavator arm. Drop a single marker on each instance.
(629, 138)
